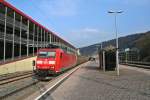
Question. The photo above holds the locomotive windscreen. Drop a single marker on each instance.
(46, 54)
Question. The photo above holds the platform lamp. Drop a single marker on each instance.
(115, 13)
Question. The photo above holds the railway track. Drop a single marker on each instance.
(50, 87)
(14, 78)
(22, 88)
(15, 83)
(10, 87)
(137, 65)
(13, 75)
(18, 86)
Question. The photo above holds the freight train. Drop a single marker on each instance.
(54, 60)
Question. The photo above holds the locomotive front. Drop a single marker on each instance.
(45, 62)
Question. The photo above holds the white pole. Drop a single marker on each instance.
(13, 46)
(104, 61)
(117, 52)
(33, 38)
(20, 36)
(28, 22)
(5, 32)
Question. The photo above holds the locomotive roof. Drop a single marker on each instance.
(48, 49)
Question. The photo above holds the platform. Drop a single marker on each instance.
(89, 83)
(17, 66)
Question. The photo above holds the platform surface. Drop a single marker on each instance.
(89, 83)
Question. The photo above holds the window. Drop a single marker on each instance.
(45, 54)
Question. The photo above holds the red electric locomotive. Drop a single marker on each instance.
(53, 60)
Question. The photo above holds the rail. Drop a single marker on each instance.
(139, 64)
(8, 79)
(12, 89)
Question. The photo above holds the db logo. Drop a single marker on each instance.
(45, 62)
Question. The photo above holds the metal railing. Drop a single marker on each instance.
(9, 37)
(10, 21)
(137, 62)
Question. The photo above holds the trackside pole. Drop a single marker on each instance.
(104, 61)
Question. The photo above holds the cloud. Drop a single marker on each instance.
(85, 33)
(85, 36)
(59, 7)
(90, 30)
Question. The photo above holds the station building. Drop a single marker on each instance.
(21, 36)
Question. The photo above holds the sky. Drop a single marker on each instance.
(86, 22)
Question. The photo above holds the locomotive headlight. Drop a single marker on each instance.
(39, 62)
(51, 62)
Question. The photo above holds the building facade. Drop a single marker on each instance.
(21, 36)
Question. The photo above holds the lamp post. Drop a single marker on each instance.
(117, 52)
(103, 57)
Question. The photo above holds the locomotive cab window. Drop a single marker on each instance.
(45, 54)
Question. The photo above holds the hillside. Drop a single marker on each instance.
(144, 45)
(138, 40)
